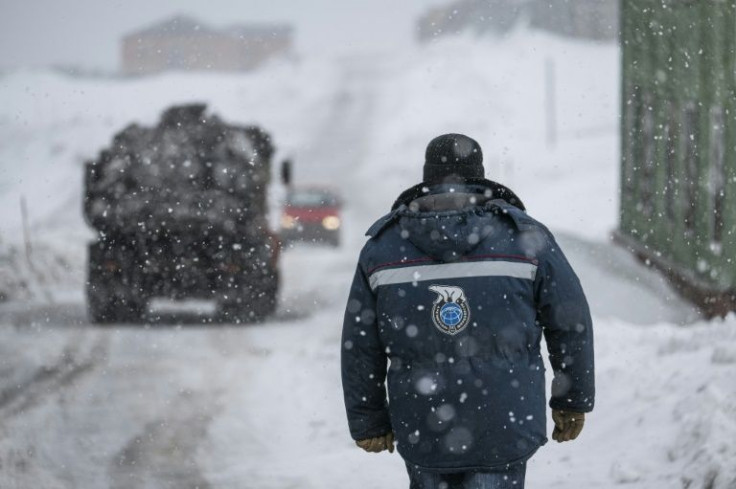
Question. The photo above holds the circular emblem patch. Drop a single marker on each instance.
(450, 311)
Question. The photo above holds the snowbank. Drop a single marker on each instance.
(495, 92)
(665, 412)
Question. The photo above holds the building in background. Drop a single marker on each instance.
(587, 19)
(678, 144)
(185, 44)
(476, 16)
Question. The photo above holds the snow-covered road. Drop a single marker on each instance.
(185, 403)
(194, 405)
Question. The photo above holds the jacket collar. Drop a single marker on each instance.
(489, 190)
(492, 195)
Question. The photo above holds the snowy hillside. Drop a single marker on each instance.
(261, 406)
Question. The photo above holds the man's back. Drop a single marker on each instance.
(456, 287)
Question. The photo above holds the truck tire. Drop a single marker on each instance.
(114, 309)
(98, 309)
(254, 307)
(105, 303)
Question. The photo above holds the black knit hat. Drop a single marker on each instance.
(453, 155)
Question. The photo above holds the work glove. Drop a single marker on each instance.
(568, 425)
(378, 444)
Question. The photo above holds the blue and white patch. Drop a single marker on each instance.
(450, 311)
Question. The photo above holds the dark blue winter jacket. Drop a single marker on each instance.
(451, 297)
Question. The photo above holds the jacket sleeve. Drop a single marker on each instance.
(563, 313)
(364, 363)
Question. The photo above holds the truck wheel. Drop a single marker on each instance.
(129, 310)
(112, 295)
(105, 306)
(254, 308)
(113, 309)
(98, 309)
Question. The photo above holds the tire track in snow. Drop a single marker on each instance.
(75, 360)
(164, 453)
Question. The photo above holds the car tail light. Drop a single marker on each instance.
(331, 223)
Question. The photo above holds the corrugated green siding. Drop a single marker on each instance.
(678, 111)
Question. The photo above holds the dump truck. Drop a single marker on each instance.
(180, 211)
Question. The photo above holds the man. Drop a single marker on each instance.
(456, 286)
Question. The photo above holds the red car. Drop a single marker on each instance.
(311, 214)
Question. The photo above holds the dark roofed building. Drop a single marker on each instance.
(476, 16)
(185, 44)
(588, 19)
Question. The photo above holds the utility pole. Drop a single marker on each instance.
(551, 101)
(26, 230)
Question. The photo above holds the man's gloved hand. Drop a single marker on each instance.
(378, 444)
(568, 425)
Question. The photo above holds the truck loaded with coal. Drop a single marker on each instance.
(181, 212)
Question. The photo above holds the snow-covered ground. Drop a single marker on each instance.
(172, 405)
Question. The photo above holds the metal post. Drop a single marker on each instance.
(551, 102)
(26, 231)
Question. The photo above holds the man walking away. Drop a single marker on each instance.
(452, 294)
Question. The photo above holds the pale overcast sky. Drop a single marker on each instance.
(86, 32)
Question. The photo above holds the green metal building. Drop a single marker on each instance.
(678, 143)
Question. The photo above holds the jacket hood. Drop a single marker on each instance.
(448, 221)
